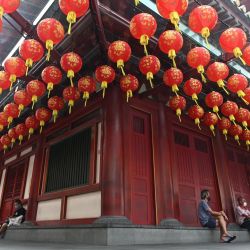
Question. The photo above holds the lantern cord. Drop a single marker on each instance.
(238, 54)
(225, 90)
(71, 18)
(244, 100)
(179, 117)
(172, 55)
(33, 104)
(201, 71)
(137, 2)
(129, 94)
(29, 136)
(176, 93)
(122, 70)
(218, 115)
(234, 122)
(103, 92)
(71, 82)
(225, 137)
(104, 85)
(196, 102)
(145, 50)
(238, 141)
(70, 109)
(49, 93)
(174, 18)
(54, 118)
(19, 113)
(205, 32)
(41, 129)
(49, 47)
(213, 132)
(12, 144)
(247, 147)
(85, 102)
(150, 77)
(203, 78)
(198, 124)
(20, 142)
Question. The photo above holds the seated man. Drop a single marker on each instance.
(16, 219)
(208, 218)
(243, 213)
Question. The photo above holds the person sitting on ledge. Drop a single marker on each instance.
(243, 213)
(17, 219)
(209, 218)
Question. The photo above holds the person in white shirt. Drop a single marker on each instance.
(243, 213)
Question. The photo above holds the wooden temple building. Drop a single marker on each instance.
(116, 159)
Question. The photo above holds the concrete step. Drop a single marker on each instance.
(119, 235)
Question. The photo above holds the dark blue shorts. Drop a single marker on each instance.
(211, 223)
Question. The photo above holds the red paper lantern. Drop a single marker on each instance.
(105, 75)
(73, 9)
(235, 131)
(3, 121)
(229, 109)
(143, 26)
(13, 136)
(15, 66)
(4, 81)
(51, 75)
(210, 120)
(172, 9)
(71, 94)
(198, 58)
(31, 51)
(21, 131)
(87, 86)
(129, 84)
(218, 72)
(22, 99)
(31, 124)
(192, 88)
(51, 32)
(55, 104)
(177, 103)
(214, 100)
(224, 125)
(8, 6)
(173, 77)
(196, 112)
(71, 63)
(149, 66)
(35, 89)
(6, 141)
(237, 83)
(233, 40)
(43, 115)
(119, 52)
(170, 42)
(243, 116)
(203, 19)
(247, 94)
(245, 136)
(246, 55)
(12, 111)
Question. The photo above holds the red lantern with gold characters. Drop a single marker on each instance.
(55, 104)
(6, 141)
(31, 124)
(22, 99)
(105, 75)
(13, 136)
(214, 100)
(198, 58)
(192, 88)
(52, 76)
(224, 125)
(173, 77)
(8, 6)
(196, 112)
(233, 40)
(245, 136)
(243, 116)
(51, 32)
(3, 120)
(31, 51)
(142, 27)
(203, 19)
(172, 9)
(119, 52)
(237, 83)
(149, 66)
(235, 131)
(12, 111)
(87, 86)
(177, 103)
(15, 66)
(170, 42)
(129, 84)
(229, 109)
(4, 81)
(71, 94)
(71, 63)
(43, 115)
(247, 94)
(35, 89)
(246, 55)
(73, 9)
(21, 131)
(218, 72)
(210, 120)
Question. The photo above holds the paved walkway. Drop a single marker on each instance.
(5, 245)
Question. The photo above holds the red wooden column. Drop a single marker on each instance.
(112, 165)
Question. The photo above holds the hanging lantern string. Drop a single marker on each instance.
(85, 97)
(221, 84)
(175, 19)
(201, 71)
(129, 94)
(71, 75)
(205, 32)
(172, 55)
(197, 122)
(144, 41)
(238, 54)
(120, 65)
(178, 113)
(49, 47)
(150, 77)
(175, 89)
(244, 100)
(237, 139)
(71, 18)
(247, 143)
(28, 64)
(137, 2)
(212, 129)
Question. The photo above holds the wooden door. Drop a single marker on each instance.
(195, 170)
(141, 169)
(13, 189)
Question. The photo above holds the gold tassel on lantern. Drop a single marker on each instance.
(28, 64)
(172, 55)
(178, 113)
(10, 120)
(144, 41)
(70, 75)
(12, 80)
(70, 104)
(221, 84)
(85, 97)
(205, 32)
(42, 123)
(104, 85)
(197, 122)
(34, 100)
(129, 94)
(232, 119)
(49, 47)
(225, 133)
(20, 137)
(150, 77)
(12, 142)
(55, 114)
(1, 12)
(120, 65)
(216, 111)
(236, 137)
(212, 129)
(175, 19)
(31, 132)
(20, 108)
(50, 88)
(247, 143)
(175, 89)
(245, 125)
(241, 94)
(201, 71)
(137, 2)
(71, 18)
(195, 98)
(238, 54)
